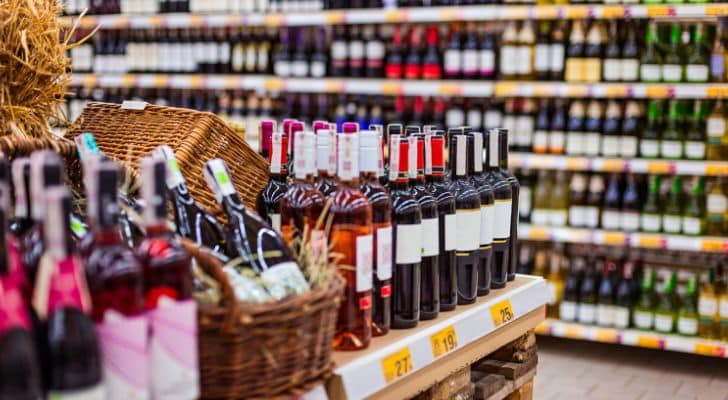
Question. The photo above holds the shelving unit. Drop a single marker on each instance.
(405, 362)
(607, 164)
(404, 15)
(631, 337)
(617, 238)
(460, 88)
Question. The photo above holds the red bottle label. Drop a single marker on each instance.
(431, 71)
(373, 64)
(386, 291)
(412, 71)
(365, 303)
(393, 71)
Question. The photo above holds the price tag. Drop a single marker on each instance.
(451, 14)
(502, 313)
(334, 86)
(90, 80)
(546, 12)
(274, 85)
(273, 20)
(659, 91)
(574, 332)
(391, 88)
(538, 234)
(713, 245)
(650, 342)
(707, 349)
(121, 22)
(516, 12)
(543, 328)
(128, 81)
(652, 241)
(88, 22)
(573, 90)
(397, 365)
(232, 82)
(660, 167)
(716, 9)
(335, 17)
(449, 90)
(577, 164)
(543, 90)
(196, 21)
(606, 336)
(577, 12)
(444, 341)
(156, 21)
(506, 89)
(196, 81)
(613, 165)
(612, 12)
(160, 81)
(616, 91)
(614, 239)
(395, 16)
(660, 11)
(716, 169)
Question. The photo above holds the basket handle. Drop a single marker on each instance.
(212, 266)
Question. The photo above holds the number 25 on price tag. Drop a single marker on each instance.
(444, 341)
(502, 313)
(397, 364)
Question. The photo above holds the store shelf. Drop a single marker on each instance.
(460, 88)
(607, 164)
(406, 362)
(615, 238)
(630, 337)
(422, 14)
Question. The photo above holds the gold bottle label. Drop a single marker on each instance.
(574, 69)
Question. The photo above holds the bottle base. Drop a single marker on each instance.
(447, 307)
(426, 315)
(511, 277)
(483, 292)
(349, 342)
(404, 324)
(496, 285)
(379, 330)
(463, 302)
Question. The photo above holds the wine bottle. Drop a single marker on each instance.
(467, 220)
(629, 217)
(592, 61)
(605, 308)
(612, 204)
(452, 58)
(665, 310)
(541, 52)
(672, 68)
(574, 70)
(487, 56)
(624, 297)
(592, 209)
(612, 64)
(394, 63)
(487, 209)
(687, 317)
(694, 214)
(651, 59)
(695, 137)
(672, 213)
(541, 129)
(381, 204)
(696, 69)
(351, 236)
(431, 62)
(643, 316)
(22, 222)
(557, 51)
(577, 200)
(630, 69)
(649, 137)
(509, 52)
(501, 221)
(672, 138)
(557, 128)
(515, 194)
(325, 157)
(593, 129)
(611, 130)
(628, 146)
(190, 218)
(568, 308)
(269, 200)
(650, 218)
(575, 136)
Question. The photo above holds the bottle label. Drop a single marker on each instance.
(508, 59)
(364, 247)
(695, 150)
(558, 217)
(663, 323)
(474, 118)
(282, 68)
(576, 215)
(605, 315)
(470, 62)
(524, 202)
(524, 130)
(557, 139)
(284, 279)
(717, 64)
(375, 51)
(502, 219)
(454, 117)
(649, 148)
(275, 222)
(356, 53)
(409, 244)
(650, 72)
(591, 216)
(430, 237)
(724, 308)
(486, 224)
(692, 226)
(612, 69)
(574, 70)
(567, 311)
(715, 128)
(173, 345)
(628, 146)
(672, 72)
(125, 355)
(629, 221)
(451, 226)
(643, 319)
(318, 69)
(707, 307)
(348, 157)
(468, 229)
(696, 73)
(238, 60)
(717, 203)
(610, 145)
(384, 253)
(96, 392)
(592, 140)
(339, 53)
(540, 141)
(575, 143)
(556, 57)
(592, 69)
(541, 58)
(540, 216)
(487, 62)
(650, 222)
(492, 118)
(524, 57)
(671, 149)
(587, 313)
(610, 219)
(671, 223)
(552, 293)
(630, 70)
(299, 68)
(621, 317)
(453, 62)
(687, 326)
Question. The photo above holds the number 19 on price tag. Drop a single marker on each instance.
(502, 313)
(444, 341)
(397, 365)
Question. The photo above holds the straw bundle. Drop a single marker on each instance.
(34, 67)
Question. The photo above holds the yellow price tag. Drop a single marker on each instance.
(516, 12)
(658, 91)
(506, 89)
(87, 22)
(335, 17)
(451, 14)
(89, 80)
(444, 341)
(198, 20)
(716, 9)
(395, 16)
(538, 234)
(650, 342)
(658, 167)
(502, 313)
(232, 82)
(577, 12)
(613, 165)
(577, 163)
(391, 88)
(614, 238)
(274, 84)
(543, 328)
(652, 241)
(397, 365)
(612, 12)
(273, 20)
(128, 81)
(334, 86)
(713, 245)
(544, 90)
(574, 332)
(606, 336)
(616, 91)
(707, 349)
(160, 81)
(576, 90)
(658, 11)
(196, 81)
(716, 169)
(546, 12)
(156, 21)
(449, 90)
(121, 22)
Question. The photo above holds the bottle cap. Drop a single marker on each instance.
(174, 176)
(435, 155)
(493, 148)
(57, 204)
(460, 143)
(368, 151)
(21, 183)
(412, 157)
(477, 150)
(320, 125)
(265, 131)
(348, 156)
(218, 179)
(153, 189)
(45, 172)
(350, 127)
(398, 158)
(309, 143)
(102, 203)
(278, 156)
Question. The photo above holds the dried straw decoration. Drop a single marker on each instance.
(34, 67)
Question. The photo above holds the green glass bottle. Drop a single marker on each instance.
(643, 315)
(650, 136)
(717, 209)
(651, 215)
(695, 136)
(672, 67)
(695, 218)
(708, 307)
(666, 309)
(687, 317)
(698, 57)
(651, 59)
(672, 214)
(673, 136)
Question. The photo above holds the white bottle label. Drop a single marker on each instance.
(671, 73)
(605, 315)
(629, 221)
(592, 140)
(591, 217)
(409, 244)
(486, 224)
(364, 248)
(540, 141)
(671, 223)
(508, 57)
(468, 229)
(558, 217)
(612, 69)
(557, 140)
(696, 73)
(630, 70)
(502, 219)
(567, 311)
(621, 317)
(575, 143)
(524, 201)
(671, 149)
(524, 63)
(695, 150)
(375, 50)
(540, 216)
(542, 60)
(275, 221)
(454, 117)
(610, 145)
(282, 68)
(556, 58)
(524, 130)
(487, 62)
(610, 219)
(651, 222)
(650, 72)
(643, 319)
(318, 69)
(384, 253)
(339, 51)
(717, 204)
(687, 326)
(628, 146)
(724, 308)
(492, 118)
(453, 62)
(576, 216)
(707, 307)
(587, 313)
(649, 148)
(430, 237)
(451, 226)
(691, 226)
(299, 68)
(356, 50)
(663, 323)
(552, 293)
(715, 127)
(470, 61)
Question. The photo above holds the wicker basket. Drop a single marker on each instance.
(127, 135)
(264, 351)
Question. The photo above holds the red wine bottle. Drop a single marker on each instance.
(515, 192)
(269, 200)
(394, 63)
(487, 202)
(431, 65)
(171, 310)
(374, 52)
(501, 221)
(413, 61)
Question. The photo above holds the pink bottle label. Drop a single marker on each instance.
(13, 288)
(125, 355)
(173, 348)
(59, 284)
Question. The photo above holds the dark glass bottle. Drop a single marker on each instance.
(612, 204)
(487, 209)
(394, 63)
(339, 52)
(588, 294)
(515, 194)
(355, 52)
(447, 226)
(501, 217)
(453, 56)
(22, 222)
(413, 61)
(431, 63)
(374, 52)
(568, 309)
(407, 243)
(605, 308)
(269, 200)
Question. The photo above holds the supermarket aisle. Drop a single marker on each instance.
(573, 370)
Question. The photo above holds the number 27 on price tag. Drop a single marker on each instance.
(444, 341)
(502, 313)
(397, 364)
